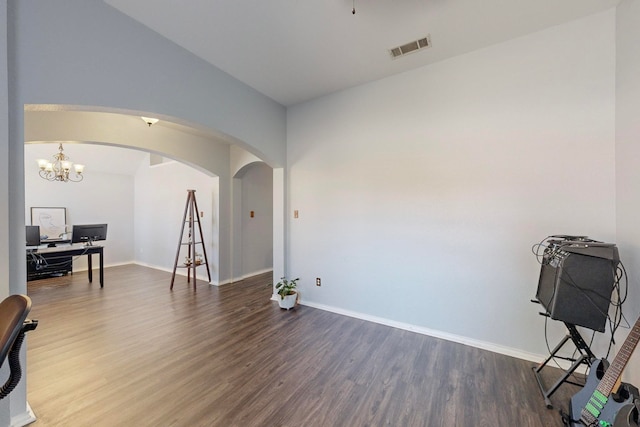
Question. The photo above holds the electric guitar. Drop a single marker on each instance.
(605, 401)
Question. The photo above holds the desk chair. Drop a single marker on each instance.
(13, 325)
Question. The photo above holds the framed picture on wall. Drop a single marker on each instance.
(52, 221)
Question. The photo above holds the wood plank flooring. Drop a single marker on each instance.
(137, 354)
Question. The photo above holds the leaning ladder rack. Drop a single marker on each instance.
(189, 222)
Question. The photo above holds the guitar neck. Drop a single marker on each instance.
(614, 371)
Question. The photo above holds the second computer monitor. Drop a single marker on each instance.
(88, 233)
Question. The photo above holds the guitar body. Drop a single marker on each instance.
(619, 410)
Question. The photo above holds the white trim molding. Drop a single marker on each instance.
(495, 348)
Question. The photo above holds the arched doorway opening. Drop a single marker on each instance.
(142, 201)
(252, 202)
(207, 152)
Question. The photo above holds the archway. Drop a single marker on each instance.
(252, 218)
(208, 152)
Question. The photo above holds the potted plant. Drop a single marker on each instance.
(287, 291)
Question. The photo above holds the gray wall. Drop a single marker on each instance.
(422, 208)
(628, 160)
(257, 232)
(420, 195)
(13, 404)
(85, 53)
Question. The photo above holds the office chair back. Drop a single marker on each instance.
(13, 325)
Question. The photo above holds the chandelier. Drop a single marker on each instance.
(59, 169)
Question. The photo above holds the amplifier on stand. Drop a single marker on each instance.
(577, 279)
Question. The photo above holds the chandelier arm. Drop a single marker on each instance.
(59, 169)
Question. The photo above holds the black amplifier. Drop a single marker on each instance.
(577, 278)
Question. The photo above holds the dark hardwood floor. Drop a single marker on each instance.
(137, 354)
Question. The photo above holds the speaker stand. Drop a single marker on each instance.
(586, 357)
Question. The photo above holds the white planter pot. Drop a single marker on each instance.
(288, 302)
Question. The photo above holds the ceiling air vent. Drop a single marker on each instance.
(413, 46)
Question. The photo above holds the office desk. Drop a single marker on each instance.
(67, 253)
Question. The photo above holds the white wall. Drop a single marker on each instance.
(138, 206)
(420, 195)
(628, 160)
(99, 198)
(160, 199)
(143, 208)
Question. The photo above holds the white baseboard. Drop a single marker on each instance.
(245, 276)
(23, 419)
(495, 348)
(484, 345)
(181, 272)
(116, 264)
(255, 273)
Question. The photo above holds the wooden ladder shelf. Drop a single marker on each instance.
(193, 259)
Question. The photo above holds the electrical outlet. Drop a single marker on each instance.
(318, 281)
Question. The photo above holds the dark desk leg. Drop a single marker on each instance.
(90, 268)
(101, 268)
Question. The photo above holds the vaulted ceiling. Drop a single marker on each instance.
(296, 50)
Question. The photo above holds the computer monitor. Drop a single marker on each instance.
(88, 233)
(33, 235)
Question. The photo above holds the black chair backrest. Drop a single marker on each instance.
(13, 312)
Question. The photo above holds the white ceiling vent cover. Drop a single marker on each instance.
(411, 47)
